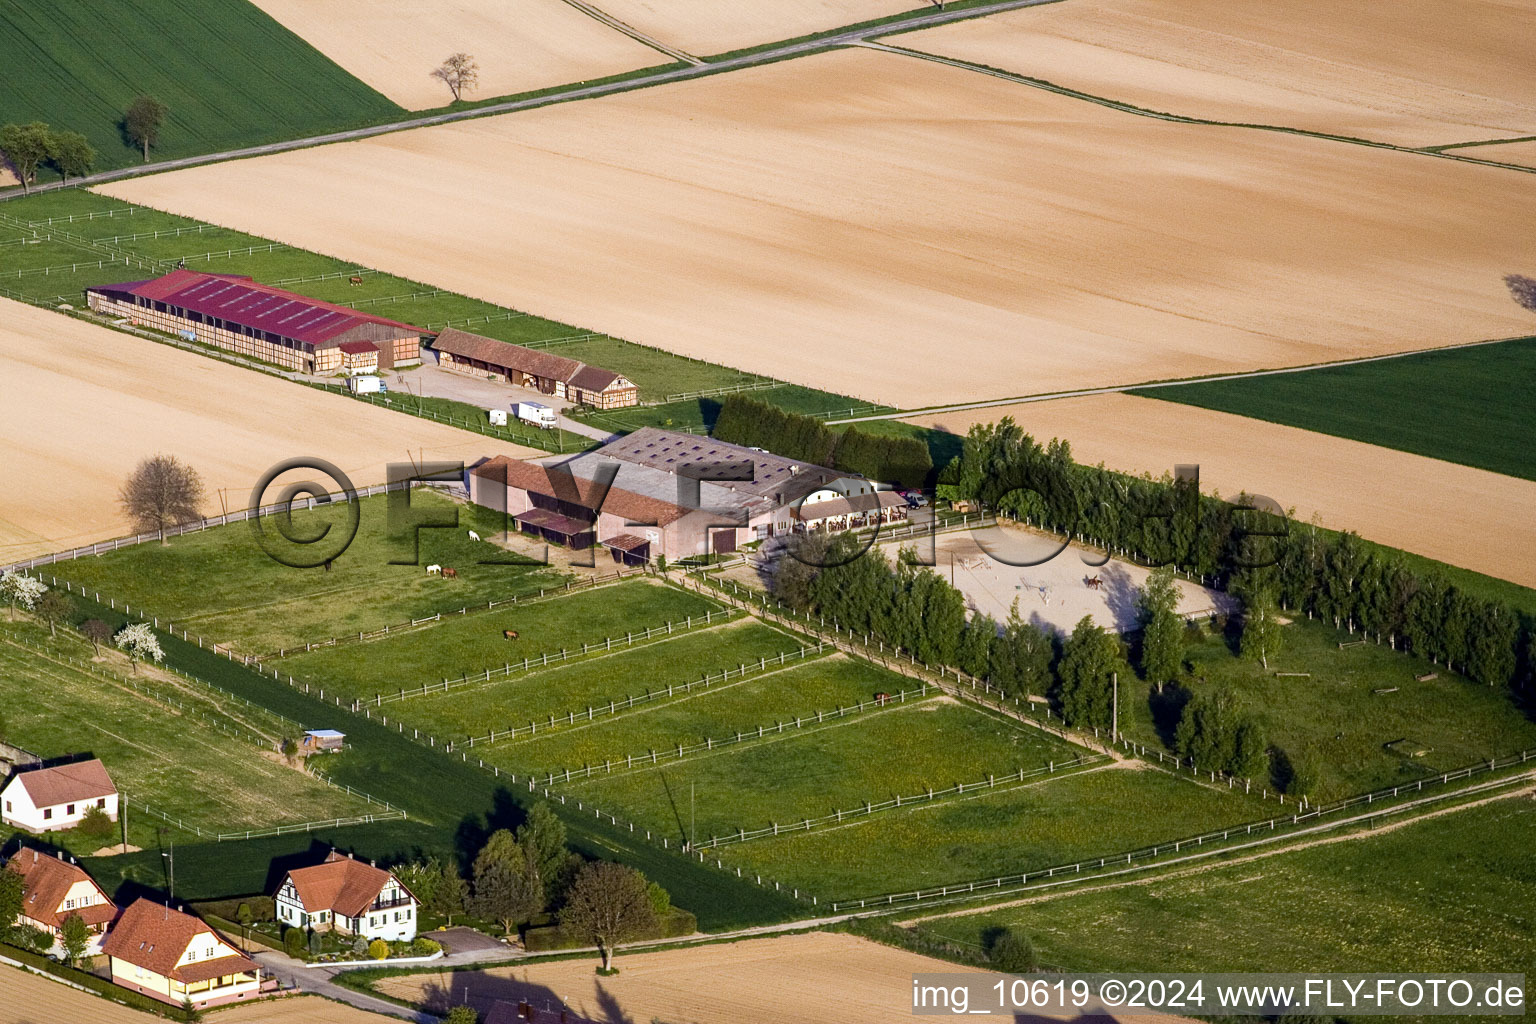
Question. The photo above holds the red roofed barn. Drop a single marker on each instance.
(49, 799)
(347, 896)
(233, 312)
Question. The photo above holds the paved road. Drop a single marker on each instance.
(578, 91)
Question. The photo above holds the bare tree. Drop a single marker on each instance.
(142, 122)
(460, 73)
(97, 632)
(1523, 289)
(608, 904)
(162, 492)
(54, 607)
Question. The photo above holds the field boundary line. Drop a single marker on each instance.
(1278, 828)
(602, 17)
(684, 751)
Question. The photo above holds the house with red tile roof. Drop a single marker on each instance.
(236, 313)
(175, 957)
(49, 799)
(350, 897)
(54, 888)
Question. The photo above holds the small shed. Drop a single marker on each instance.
(322, 741)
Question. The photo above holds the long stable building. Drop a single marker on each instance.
(659, 492)
(544, 372)
(235, 313)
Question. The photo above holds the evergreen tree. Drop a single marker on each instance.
(448, 896)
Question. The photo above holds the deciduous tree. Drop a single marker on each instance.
(507, 891)
(26, 146)
(53, 608)
(75, 937)
(1162, 632)
(72, 154)
(97, 632)
(143, 121)
(608, 905)
(1261, 629)
(1523, 290)
(139, 642)
(1088, 658)
(20, 589)
(460, 73)
(162, 492)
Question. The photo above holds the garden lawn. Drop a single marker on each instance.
(474, 643)
(1336, 722)
(230, 75)
(1463, 405)
(1451, 893)
(173, 758)
(571, 687)
(825, 684)
(221, 584)
(896, 752)
(1091, 814)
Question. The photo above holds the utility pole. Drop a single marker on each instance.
(692, 833)
(122, 818)
(1114, 705)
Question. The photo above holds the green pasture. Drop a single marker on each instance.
(571, 687)
(1451, 893)
(1335, 720)
(1087, 815)
(230, 75)
(171, 758)
(474, 643)
(900, 751)
(825, 684)
(222, 584)
(1460, 405)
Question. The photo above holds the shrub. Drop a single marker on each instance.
(462, 1015)
(424, 946)
(34, 939)
(95, 825)
(1008, 951)
(378, 949)
(360, 945)
(295, 939)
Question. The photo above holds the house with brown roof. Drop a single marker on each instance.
(347, 896)
(49, 799)
(175, 957)
(54, 888)
(541, 371)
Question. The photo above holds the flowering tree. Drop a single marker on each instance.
(20, 589)
(140, 642)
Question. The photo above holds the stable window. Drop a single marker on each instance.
(47, 813)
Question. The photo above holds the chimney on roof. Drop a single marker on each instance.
(349, 855)
(34, 856)
(61, 854)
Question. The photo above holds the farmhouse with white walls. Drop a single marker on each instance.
(349, 897)
(49, 799)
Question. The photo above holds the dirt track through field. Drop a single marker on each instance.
(908, 232)
(83, 404)
(1410, 72)
(1467, 517)
(393, 45)
(1522, 153)
(794, 979)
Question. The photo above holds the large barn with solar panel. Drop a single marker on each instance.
(235, 313)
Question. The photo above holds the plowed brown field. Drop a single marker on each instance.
(905, 232)
(1410, 72)
(83, 404)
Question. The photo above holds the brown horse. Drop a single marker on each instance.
(1092, 582)
(510, 634)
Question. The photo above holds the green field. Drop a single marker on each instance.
(179, 760)
(474, 643)
(1087, 815)
(222, 584)
(824, 684)
(1334, 719)
(900, 751)
(1452, 893)
(571, 687)
(1466, 405)
(230, 75)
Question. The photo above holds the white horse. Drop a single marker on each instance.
(473, 535)
(434, 570)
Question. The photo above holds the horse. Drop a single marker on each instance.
(434, 570)
(473, 535)
(1094, 582)
(510, 634)
(451, 573)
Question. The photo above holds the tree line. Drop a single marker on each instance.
(32, 145)
(757, 424)
(1247, 546)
